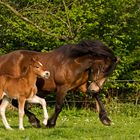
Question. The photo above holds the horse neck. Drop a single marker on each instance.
(84, 61)
(30, 76)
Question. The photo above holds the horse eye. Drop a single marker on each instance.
(102, 69)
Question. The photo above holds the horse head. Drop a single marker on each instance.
(98, 59)
(99, 71)
(103, 64)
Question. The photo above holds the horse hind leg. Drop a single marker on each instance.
(3, 106)
(32, 118)
(36, 99)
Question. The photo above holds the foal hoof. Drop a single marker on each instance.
(9, 128)
(45, 122)
(22, 128)
(34, 122)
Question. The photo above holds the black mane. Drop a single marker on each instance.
(95, 48)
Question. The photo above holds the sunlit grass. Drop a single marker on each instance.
(78, 124)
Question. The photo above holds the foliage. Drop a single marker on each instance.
(44, 25)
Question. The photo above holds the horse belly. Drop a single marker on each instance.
(45, 85)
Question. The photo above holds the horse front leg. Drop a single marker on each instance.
(32, 118)
(102, 113)
(60, 95)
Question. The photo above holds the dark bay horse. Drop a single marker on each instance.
(83, 66)
(22, 88)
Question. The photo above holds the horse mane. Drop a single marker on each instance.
(94, 47)
(86, 47)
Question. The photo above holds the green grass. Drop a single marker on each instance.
(79, 124)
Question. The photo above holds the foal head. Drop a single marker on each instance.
(38, 68)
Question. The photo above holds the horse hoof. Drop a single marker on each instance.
(36, 125)
(50, 125)
(34, 122)
(105, 120)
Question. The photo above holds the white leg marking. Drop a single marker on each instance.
(21, 112)
(3, 106)
(36, 99)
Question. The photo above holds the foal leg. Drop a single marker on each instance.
(3, 106)
(102, 113)
(32, 118)
(21, 101)
(36, 99)
(1, 93)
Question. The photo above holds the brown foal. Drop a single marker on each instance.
(22, 88)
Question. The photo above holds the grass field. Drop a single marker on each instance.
(79, 124)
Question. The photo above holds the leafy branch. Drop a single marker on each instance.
(29, 21)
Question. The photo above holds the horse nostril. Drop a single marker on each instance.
(92, 91)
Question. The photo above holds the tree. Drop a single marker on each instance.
(44, 25)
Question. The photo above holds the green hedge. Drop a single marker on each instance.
(44, 25)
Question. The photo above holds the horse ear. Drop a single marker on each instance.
(77, 60)
(82, 60)
(118, 60)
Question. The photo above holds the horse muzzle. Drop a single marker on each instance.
(93, 88)
(96, 86)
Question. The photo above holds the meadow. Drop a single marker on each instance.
(78, 124)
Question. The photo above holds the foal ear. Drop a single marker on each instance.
(34, 59)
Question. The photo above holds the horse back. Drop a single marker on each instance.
(15, 63)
